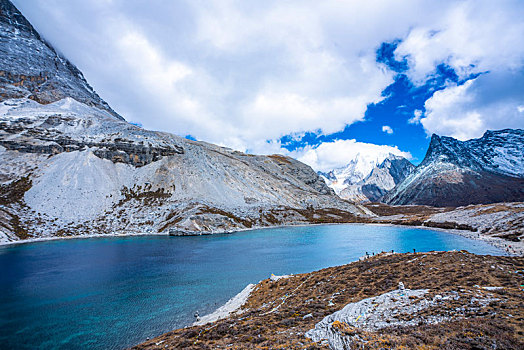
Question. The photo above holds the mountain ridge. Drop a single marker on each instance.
(365, 180)
(478, 171)
(481, 153)
(381, 180)
(32, 68)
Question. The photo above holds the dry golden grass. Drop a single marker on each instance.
(275, 311)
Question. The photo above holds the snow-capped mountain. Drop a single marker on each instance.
(30, 67)
(69, 165)
(368, 176)
(479, 171)
(382, 179)
(356, 169)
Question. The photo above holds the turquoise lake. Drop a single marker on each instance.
(111, 293)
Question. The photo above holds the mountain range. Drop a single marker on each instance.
(368, 177)
(454, 173)
(70, 165)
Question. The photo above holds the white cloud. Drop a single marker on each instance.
(474, 37)
(387, 129)
(417, 114)
(471, 37)
(489, 102)
(337, 154)
(229, 72)
(240, 73)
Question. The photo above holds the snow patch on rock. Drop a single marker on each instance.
(232, 306)
(275, 278)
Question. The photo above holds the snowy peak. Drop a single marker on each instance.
(10, 16)
(356, 170)
(382, 178)
(496, 151)
(393, 168)
(329, 176)
(478, 171)
(360, 167)
(31, 68)
(368, 177)
(500, 151)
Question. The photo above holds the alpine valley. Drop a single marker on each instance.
(72, 167)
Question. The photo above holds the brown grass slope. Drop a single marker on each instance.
(307, 298)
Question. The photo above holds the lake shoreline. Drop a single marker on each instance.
(517, 247)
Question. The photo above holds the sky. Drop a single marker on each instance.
(320, 81)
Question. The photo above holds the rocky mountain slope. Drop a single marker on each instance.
(454, 173)
(368, 177)
(69, 165)
(486, 221)
(30, 67)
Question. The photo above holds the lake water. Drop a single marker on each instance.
(110, 293)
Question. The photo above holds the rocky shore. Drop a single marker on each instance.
(436, 300)
(499, 224)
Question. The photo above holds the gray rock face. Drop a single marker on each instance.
(30, 67)
(455, 173)
(91, 173)
(382, 178)
(68, 126)
(369, 314)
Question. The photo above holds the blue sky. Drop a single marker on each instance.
(402, 99)
(318, 81)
